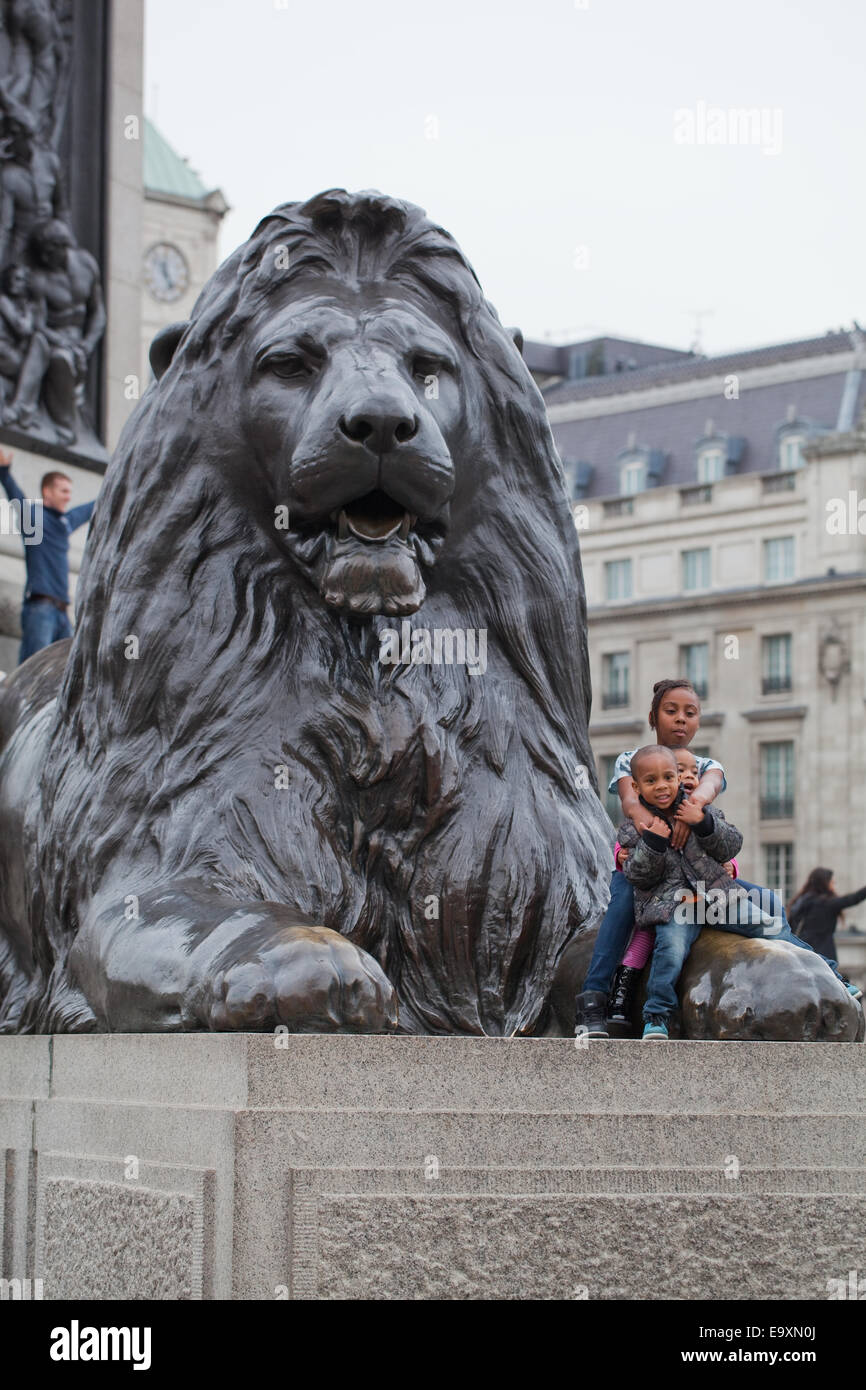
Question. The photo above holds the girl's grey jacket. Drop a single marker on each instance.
(659, 873)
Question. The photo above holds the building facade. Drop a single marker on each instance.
(721, 505)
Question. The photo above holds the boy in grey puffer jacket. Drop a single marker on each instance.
(668, 883)
(661, 875)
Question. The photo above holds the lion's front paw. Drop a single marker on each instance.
(308, 978)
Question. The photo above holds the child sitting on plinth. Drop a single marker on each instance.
(640, 947)
(668, 882)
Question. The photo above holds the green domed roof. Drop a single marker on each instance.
(165, 171)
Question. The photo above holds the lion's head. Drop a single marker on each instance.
(357, 351)
(343, 434)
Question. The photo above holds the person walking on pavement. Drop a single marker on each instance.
(44, 614)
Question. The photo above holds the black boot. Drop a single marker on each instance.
(589, 1014)
(621, 1001)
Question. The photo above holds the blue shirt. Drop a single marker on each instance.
(48, 562)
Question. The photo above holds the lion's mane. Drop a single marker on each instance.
(447, 823)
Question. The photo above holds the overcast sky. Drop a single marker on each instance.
(565, 143)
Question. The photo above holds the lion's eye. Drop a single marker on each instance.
(424, 365)
(289, 366)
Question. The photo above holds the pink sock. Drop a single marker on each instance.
(640, 948)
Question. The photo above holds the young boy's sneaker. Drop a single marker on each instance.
(656, 1027)
(853, 990)
(590, 1008)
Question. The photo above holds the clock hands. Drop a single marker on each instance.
(167, 272)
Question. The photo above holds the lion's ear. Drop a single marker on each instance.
(517, 335)
(164, 345)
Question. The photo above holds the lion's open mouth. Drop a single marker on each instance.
(374, 518)
(366, 556)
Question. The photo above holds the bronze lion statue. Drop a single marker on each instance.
(317, 754)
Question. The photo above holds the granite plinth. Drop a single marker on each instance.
(243, 1166)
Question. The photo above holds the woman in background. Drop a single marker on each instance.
(814, 910)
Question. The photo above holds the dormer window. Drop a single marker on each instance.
(717, 454)
(792, 437)
(578, 477)
(639, 468)
(632, 477)
(711, 465)
(791, 452)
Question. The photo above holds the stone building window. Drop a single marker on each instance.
(776, 663)
(696, 569)
(695, 666)
(617, 579)
(777, 781)
(779, 560)
(779, 870)
(616, 667)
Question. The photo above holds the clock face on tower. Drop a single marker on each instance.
(166, 272)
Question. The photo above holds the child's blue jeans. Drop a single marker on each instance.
(616, 925)
(675, 939)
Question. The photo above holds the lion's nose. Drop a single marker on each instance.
(379, 430)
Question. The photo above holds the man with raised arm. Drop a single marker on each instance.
(44, 614)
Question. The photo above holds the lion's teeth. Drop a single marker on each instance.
(424, 551)
(405, 524)
(342, 525)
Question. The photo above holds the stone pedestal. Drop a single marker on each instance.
(227, 1166)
